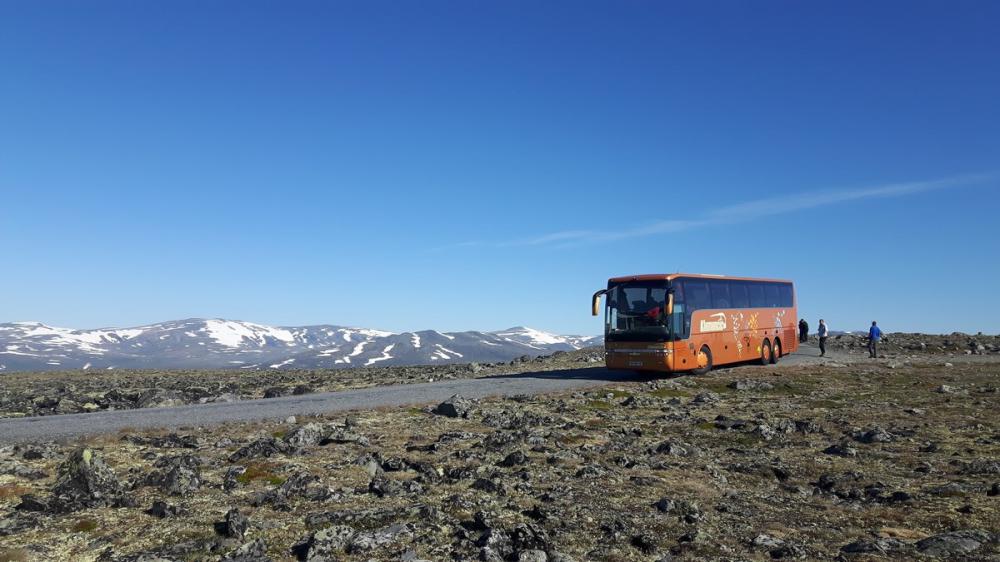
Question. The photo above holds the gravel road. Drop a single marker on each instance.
(74, 425)
(62, 427)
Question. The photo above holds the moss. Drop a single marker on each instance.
(618, 393)
(84, 526)
(259, 471)
(598, 405)
(706, 425)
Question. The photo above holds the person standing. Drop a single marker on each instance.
(874, 336)
(803, 331)
(822, 332)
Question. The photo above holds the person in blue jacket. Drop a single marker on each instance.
(874, 335)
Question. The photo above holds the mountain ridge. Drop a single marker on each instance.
(214, 343)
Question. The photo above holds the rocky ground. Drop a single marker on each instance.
(918, 345)
(71, 392)
(898, 459)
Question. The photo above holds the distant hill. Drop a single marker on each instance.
(214, 343)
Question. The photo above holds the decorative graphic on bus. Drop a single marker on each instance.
(737, 318)
(777, 319)
(716, 323)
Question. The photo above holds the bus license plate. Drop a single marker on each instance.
(635, 363)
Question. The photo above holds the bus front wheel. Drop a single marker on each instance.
(765, 353)
(704, 361)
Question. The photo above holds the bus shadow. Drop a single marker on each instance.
(592, 373)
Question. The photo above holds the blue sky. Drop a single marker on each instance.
(478, 165)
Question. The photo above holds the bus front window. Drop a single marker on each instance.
(637, 311)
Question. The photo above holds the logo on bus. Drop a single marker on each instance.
(715, 323)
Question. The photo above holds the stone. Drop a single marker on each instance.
(955, 543)
(255, 551)
(880, 545)
(163, 510)
(234, 525)
(675, 449)
(324, 545)
(178, 476)
(342, 435)
(305, 435)
(276, 392)
(261, 448)
(85, 481)
(514, 459)
(532, 556)
(707, 397)
(364, 541)
(841, 450)
(230, 480)
(874, 435)
(454, 407)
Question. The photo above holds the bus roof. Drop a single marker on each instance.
(671, 276)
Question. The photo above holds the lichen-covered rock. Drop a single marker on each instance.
(324, 545)
(233, 525)
(454, 407)
(261, 448)
(85, 481)
(255, 551)
(178, 476)
(955, 543)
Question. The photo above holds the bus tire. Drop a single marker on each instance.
(765, 353)
(777, 351)
(708, 363)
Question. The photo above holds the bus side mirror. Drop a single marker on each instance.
(670, 304)
(595, 302)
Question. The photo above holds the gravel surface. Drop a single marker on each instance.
(532, 382)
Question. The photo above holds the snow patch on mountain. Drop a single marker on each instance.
(233, 334)
(384, 357)
(217, 343)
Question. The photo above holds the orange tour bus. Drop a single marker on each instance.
(692, 322)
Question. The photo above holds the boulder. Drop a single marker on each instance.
(178, 476)
(454, 407)
(234, 525)
(325, 545)
(955, 543)
(85, 481)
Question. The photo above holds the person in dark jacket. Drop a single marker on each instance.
(822, 332)
(874, 336)
(803, 331)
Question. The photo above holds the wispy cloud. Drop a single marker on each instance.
(741, 212)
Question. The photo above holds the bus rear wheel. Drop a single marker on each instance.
(707, 365)
(777, 352)
(765, 353)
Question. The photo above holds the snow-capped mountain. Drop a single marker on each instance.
(214, 343)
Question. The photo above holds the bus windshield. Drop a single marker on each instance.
(637, 311)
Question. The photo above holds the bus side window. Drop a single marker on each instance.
(786, 294)
(773, 298)
(720, 294)
(680, 323)
(757, 299)
(738, 294)
(697, 295)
